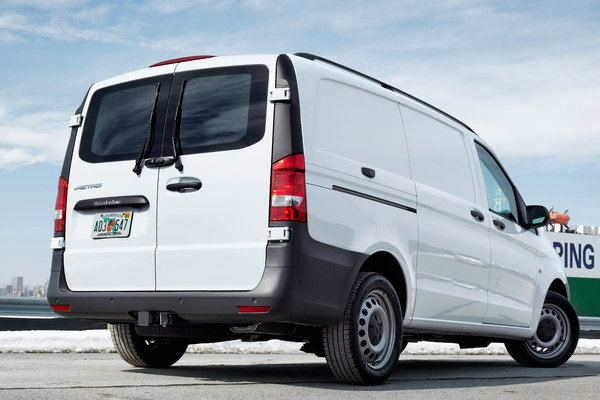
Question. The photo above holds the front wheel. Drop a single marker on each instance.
(143, 352)
(555, 339)
(363, 347)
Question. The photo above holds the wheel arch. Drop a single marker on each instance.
(559, 287)
(386, 264)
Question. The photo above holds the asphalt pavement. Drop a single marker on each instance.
(274, 376)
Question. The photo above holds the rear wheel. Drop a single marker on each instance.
(403, 347)
(143, 352)
(555, 339)
(363, 347)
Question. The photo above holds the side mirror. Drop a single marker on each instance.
(537, 216)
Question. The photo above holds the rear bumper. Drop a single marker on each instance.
(305, 282)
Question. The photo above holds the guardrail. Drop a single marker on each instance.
(33, 314)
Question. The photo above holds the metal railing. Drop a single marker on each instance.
(31, 313)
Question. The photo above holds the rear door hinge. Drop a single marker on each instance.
(75, 121)
(278, 95)
(57, 243)
(279, 233)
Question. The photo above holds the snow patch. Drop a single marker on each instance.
(99, 341)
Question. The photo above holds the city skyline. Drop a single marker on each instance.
(19, 288)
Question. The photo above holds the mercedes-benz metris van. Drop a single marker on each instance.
(206, 199)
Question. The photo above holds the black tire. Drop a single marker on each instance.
(403, 347)
(143, 352)
(555, 339)
(363, 347)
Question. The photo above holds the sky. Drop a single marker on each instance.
(524, 75)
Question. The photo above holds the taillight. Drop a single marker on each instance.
(253, 309)
(288, 192)
(57, 307)
(61, 205)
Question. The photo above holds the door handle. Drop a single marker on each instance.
(183, 187)
(499, 224)
(477, 215)
(158, 162)
(368, 172)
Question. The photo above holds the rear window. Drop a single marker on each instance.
(222, 109)
(116, 123)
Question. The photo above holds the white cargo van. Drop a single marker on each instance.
(211, 198)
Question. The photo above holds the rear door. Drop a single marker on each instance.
(213, 214)
(111, 210)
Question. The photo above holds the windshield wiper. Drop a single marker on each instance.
(144, 153)
(177, 150)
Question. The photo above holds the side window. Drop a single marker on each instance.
(500, 192)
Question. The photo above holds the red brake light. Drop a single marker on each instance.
(288, 191)
(178, 60)
(254, 309)
(58, 307)
(61, 205)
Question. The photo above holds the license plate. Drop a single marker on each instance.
(111, 225)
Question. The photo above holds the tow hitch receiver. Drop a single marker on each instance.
(155, 318)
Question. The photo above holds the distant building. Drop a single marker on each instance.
(17, 286)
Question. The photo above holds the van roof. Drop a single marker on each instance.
(384, 85)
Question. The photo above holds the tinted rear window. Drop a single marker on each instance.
(206, 119)
(222, 109)
(116, 123)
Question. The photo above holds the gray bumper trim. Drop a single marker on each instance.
(305, 282)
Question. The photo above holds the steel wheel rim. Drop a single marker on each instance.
(376, 329)
(552, 334)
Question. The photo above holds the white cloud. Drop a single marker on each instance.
(524, 75)
(44, 4)
(19, 25)
(176, 6)
(162, 7)
(30, 138)
(9, 38)
(537, 107)
(12, 159)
